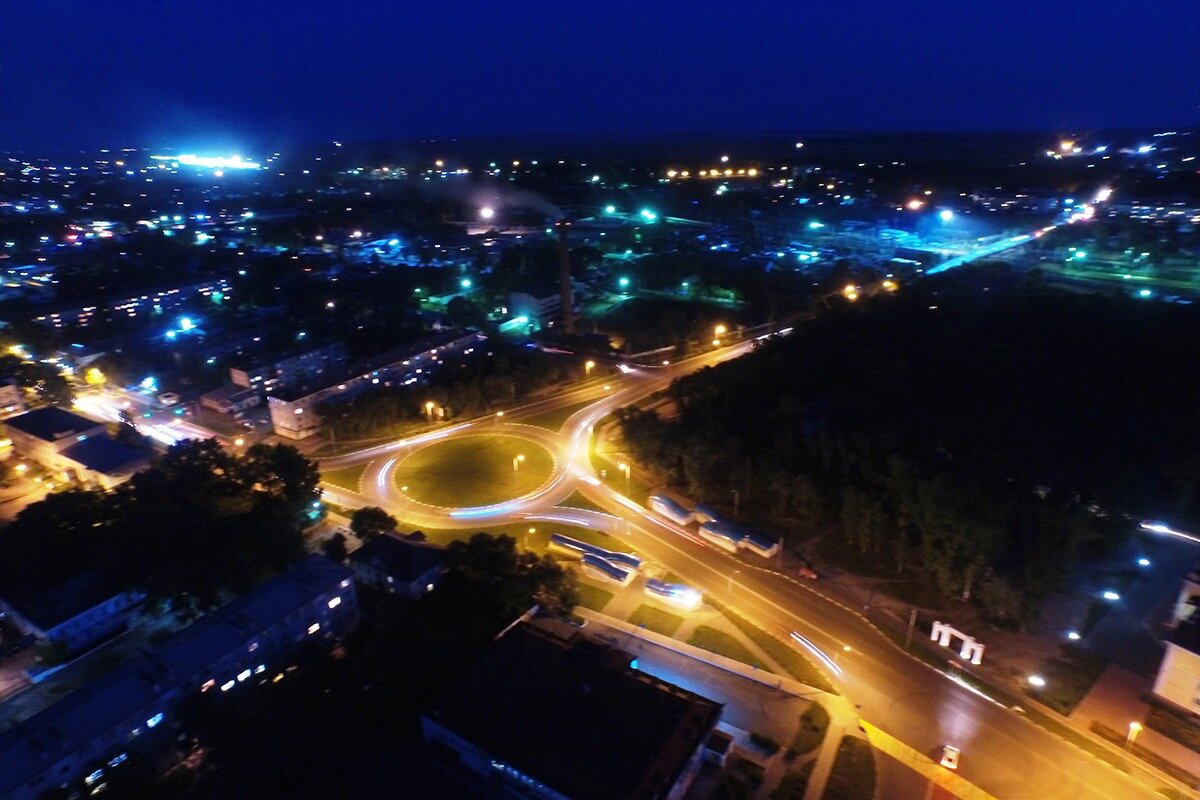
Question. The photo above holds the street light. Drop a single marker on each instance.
(429, 409)
(1134, 729)
(735, 572)
(837, 657)
(626, 469)
(239, 441)
(588, 366)
(1036, 681)
(720, 330)
(517, 461)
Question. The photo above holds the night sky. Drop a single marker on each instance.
(260, 73)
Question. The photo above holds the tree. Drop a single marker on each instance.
(370, 521)
(335, 547)
(509, 580)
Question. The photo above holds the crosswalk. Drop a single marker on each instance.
(943, 783)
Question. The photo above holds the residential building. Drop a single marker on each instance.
(294, 411)
(132, 708)
(569, 716)
(1178, 679)
(75, 614)
(398, 565)
(295, 367)
(75, 447)
(130, 305)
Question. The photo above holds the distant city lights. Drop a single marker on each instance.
(209, 162)
(487, 212)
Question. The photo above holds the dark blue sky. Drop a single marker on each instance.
(79, 73)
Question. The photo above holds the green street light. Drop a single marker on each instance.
(610, 209)
(623, 282)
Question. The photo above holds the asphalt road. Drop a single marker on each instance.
(1002, 752)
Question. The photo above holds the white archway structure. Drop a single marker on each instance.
(971, 650)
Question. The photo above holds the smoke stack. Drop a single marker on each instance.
(564, 276)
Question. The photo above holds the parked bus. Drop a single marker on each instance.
(578, 549)
(602, 568)
(670, 509)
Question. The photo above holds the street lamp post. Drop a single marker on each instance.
(1134, 729)
(517, 459)
(837, 657)
(628, 480)
(429, 410)
(588, 366)
(735, 572)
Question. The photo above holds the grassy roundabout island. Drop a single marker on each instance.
(474, 470)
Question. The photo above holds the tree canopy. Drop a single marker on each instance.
(199, 523)
(985, 432)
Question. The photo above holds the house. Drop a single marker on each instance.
(75, 614)
(1178, 679)
(398, 565)
(132, 708)
(77, 448)
(552, 713)
(231, 399)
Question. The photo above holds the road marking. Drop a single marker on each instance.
(925, 766)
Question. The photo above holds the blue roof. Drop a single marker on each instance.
(55, 606)
(91, 711)
(51, 423)
(102, 454)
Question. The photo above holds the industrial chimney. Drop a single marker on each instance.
(564, 276)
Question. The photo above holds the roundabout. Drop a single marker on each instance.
(477, 470)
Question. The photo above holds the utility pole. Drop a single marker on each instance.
(912, 623)
(736, 498)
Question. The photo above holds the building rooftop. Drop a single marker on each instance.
(404, 559)
(51, 423)
(86, 714)
(106, 455)
(572, 713)
(55, 606)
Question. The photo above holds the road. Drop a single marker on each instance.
(1005, 754)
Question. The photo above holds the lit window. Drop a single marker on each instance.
(243, 675)
(153, 721)
(226, 686)
(208, 684)
(335, 602)
(316, 626)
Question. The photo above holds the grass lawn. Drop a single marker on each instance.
(853, 775)
(782, 653)
(594, 597)
(813, 724)
(1068, 679)
(346, 477)
(655, 619)
(721, 643)
(474, 471)
(553, 420)
(577, 500)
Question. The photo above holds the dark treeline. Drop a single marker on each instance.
(199, 524)
(985, 432)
